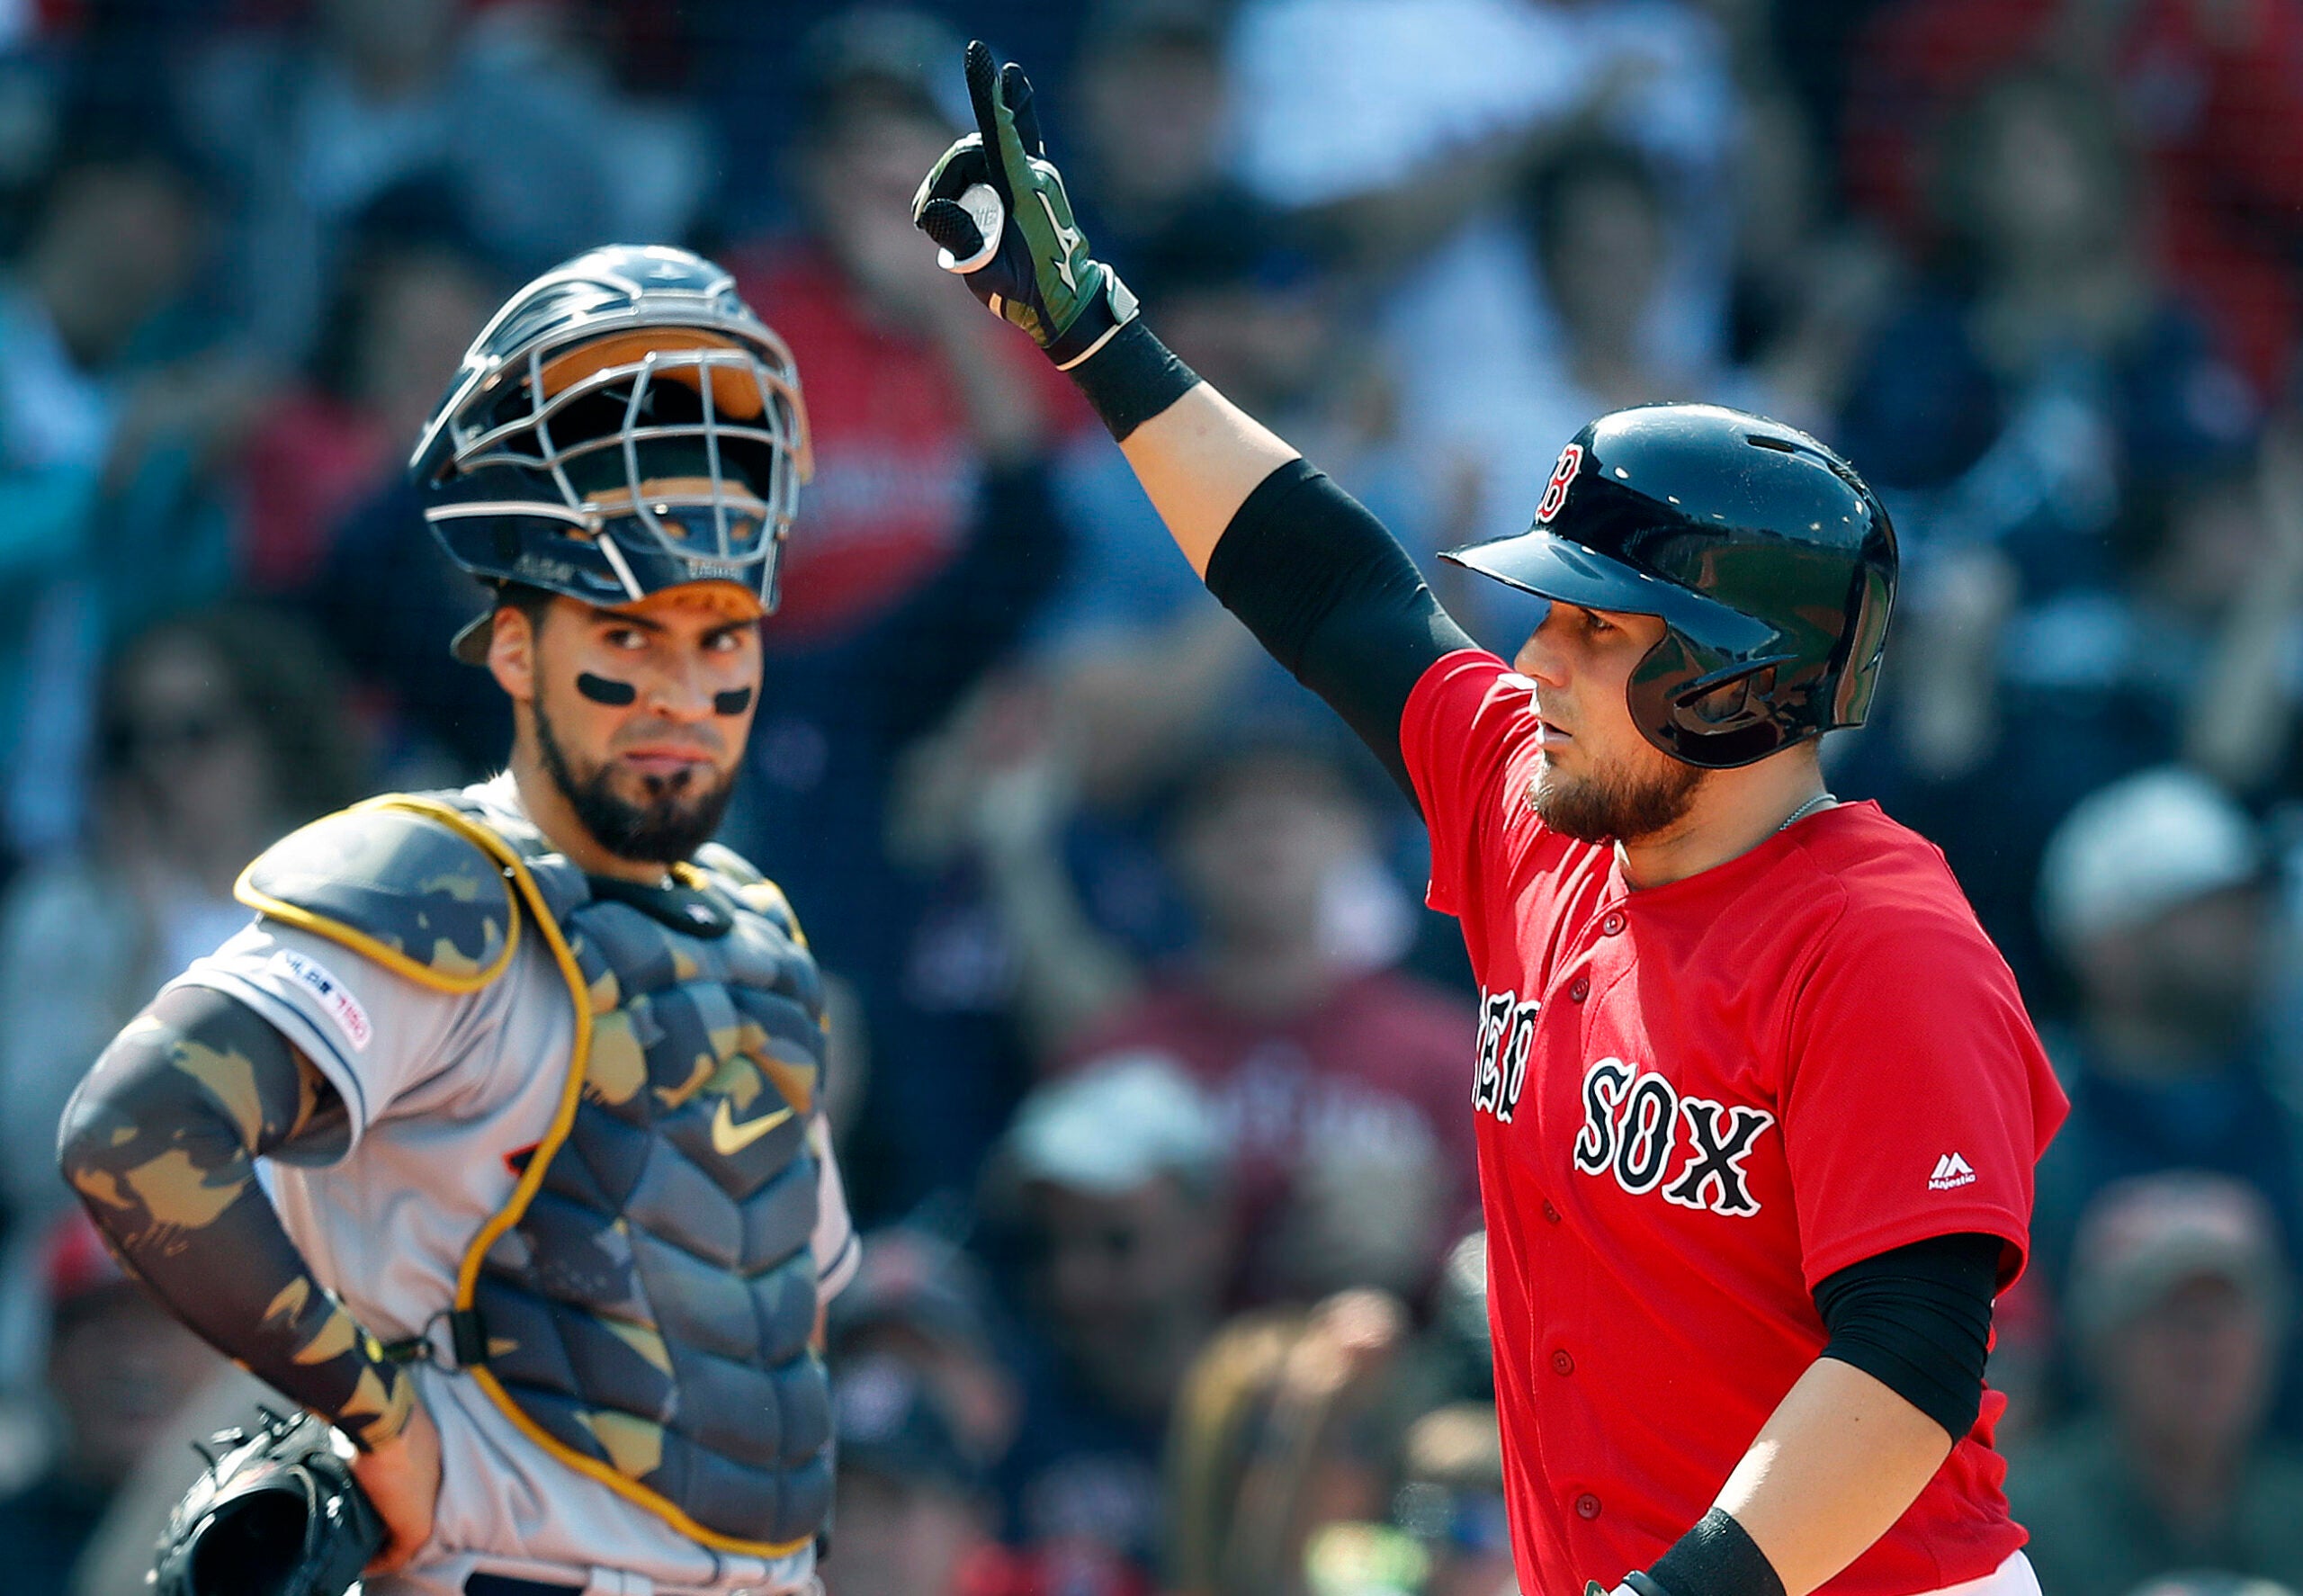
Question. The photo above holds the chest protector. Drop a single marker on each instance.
(640, 1308)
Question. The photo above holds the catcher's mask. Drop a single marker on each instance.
(1770, 563)
(623, 425)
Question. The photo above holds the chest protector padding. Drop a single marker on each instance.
(645, 1300)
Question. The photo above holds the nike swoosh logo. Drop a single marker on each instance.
(729, 1138)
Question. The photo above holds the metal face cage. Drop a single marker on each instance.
(699, 441)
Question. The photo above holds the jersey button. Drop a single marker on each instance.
(1612, 924)
(1579, 989)
(1550, 1212)
(1561, 1364)
(1587, 1506)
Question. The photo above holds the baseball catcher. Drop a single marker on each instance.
(532, 1071)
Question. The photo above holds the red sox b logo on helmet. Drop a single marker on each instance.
(1555, 491)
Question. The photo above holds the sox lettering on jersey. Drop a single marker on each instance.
(1632, 1121)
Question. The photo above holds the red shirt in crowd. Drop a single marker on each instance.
(894, 490)
(1378, 1063)
(2213, 92)
(1695, 1102)
(310, 462)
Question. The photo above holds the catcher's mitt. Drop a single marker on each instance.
(278, 1513)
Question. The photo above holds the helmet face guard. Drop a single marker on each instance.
(1769, 562)
(624, 424)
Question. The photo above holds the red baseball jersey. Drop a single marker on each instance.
(1694, 1103)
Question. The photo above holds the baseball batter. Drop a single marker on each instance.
(1758, 1103)
(495, 1139)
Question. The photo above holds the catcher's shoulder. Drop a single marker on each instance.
(743, 879)
(407, 882)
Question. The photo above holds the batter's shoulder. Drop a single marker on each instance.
(410, 883)
(1882, 868)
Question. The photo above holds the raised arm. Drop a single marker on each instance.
(1317, 578)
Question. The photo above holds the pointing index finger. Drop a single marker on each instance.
(983, 78)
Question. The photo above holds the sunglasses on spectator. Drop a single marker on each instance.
(190, 732)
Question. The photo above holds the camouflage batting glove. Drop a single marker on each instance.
(997, 210)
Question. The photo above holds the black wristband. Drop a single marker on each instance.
(1716, 1558)
(1132, 378)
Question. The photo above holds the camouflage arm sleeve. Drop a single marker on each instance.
(161, 1139)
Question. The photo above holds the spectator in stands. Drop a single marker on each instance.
(2005, 714)
(1418, 176)
(308, 125)
(1596, 215)
(915, 1516)
(2154, 894)
(2179, 1303)
(918, 1299)
(1113, 1183)
(924, 542)
(1284, 1426)
(105, 436)
(1140, 664)
(119, 1369)
(218, 732)
(2038, 364)
(1340, 1081)
(1451, 1499)
(404, 312)
(1152, 100)
(2212, 94)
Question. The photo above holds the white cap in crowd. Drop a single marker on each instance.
(2148, 843)
(1119, 1123)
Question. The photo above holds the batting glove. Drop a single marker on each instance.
(997, 210)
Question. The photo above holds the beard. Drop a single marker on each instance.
(681, 815)
(1624, 805)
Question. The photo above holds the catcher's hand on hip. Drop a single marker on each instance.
(401, 1478)
(997, 209)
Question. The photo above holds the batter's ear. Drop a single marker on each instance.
(512, 653)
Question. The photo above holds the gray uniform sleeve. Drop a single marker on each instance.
(373, 1033)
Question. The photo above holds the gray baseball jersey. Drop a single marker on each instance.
(444, 1092)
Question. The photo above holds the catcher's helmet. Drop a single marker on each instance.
(1771, 564)
(623, 425)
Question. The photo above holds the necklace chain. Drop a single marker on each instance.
(1805, 810)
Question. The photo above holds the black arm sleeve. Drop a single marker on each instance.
(1330, 593)
(1917, 1319)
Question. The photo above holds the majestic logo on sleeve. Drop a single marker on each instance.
(1506, 1034)
(1636, 1127)
(1951, 1171)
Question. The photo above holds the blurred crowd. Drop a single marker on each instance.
(1151, 1072)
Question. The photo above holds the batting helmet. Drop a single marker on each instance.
(623, 425)
(1769, 562)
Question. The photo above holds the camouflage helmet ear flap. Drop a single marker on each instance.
(1770, 563)
(623, 425)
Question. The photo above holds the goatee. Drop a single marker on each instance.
(1622, 806)
(682, 813)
